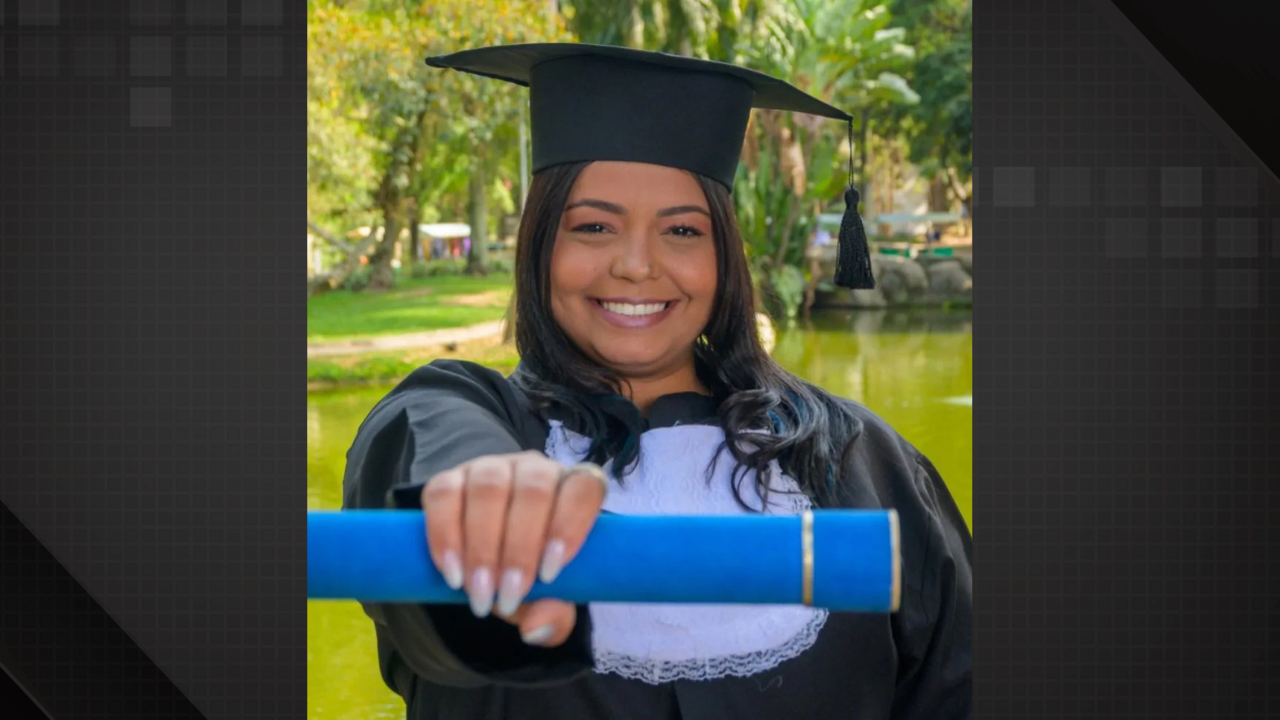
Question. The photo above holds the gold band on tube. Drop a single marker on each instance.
(806, 545)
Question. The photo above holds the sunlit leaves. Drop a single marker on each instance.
(381, 123)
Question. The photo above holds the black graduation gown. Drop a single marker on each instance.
(446, 663)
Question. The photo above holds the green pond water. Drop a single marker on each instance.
(914, 369)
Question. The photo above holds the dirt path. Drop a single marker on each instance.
(429, 338)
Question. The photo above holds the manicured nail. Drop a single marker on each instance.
(510, 592)
(538, 635)
(452, 569)
(552, 561)
(481, 592)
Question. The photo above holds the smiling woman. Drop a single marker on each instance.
(643, 388)
(633, 273)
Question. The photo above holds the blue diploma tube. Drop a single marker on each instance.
(847, 560)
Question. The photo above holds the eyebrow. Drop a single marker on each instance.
(682, 209)
(599, 205)
(617, 209)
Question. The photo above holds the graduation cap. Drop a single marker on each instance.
(601, 102)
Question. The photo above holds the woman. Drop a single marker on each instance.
(639, 352)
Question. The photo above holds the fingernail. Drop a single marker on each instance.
(452, 570)
(552, 561)
(510, 592)
(538, 635)
(481, 592)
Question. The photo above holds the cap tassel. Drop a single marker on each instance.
(853, 266)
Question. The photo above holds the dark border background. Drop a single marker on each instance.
(151, 398)
(1124, 352)
(152, 180)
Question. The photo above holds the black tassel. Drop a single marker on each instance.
(853, 267)
(853, 264)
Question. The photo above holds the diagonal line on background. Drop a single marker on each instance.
(1156, 61)
(53, 630)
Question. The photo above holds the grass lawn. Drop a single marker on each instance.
(432, 303)
(390, 368)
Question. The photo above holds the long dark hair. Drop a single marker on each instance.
(767, 413)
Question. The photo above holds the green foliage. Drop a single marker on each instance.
(455, 267)
(787, 285)
(384, 129)
(440, 267)
(845, 53)
(358, 280)
(371, 369)
(940, 127)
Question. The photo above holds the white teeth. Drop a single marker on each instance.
(629, 309)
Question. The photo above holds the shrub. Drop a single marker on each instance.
(358, 280)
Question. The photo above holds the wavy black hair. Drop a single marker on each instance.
(767, 413)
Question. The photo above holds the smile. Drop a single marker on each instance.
(631, 314)
(632, 309)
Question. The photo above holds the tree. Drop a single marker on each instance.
(846, 55)
(416, 119)
(940, 127)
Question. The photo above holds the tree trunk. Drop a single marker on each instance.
(414, 250)
(333, 280)
(893, 179)
(381, 275)
(792, 165)
(938, 201)
(965, 195)
(635, 34)
(862, 160)
(478, 257)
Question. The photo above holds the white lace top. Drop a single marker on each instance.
(657, 643)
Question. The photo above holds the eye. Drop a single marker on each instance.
(686, 231)
(591, 228)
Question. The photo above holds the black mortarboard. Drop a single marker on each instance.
(601, 102)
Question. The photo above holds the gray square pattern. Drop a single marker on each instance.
(150, 56)
(151, 13)
(1068, 186)
(1014, 187)
(1236, 237)
(33, 13)
(39, 56)
(1237, 288)
(206, 12)
(1125, 186)
(150, 107)
(1237, 186)
(261, 12)
(261, 56)
(1181, 238)
(1181, 186)
(1182, 288)
(1126, 237)
(206, 56)
(96, 56)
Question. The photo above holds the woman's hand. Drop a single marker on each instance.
(493, 522)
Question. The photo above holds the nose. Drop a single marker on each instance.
(635, 259)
